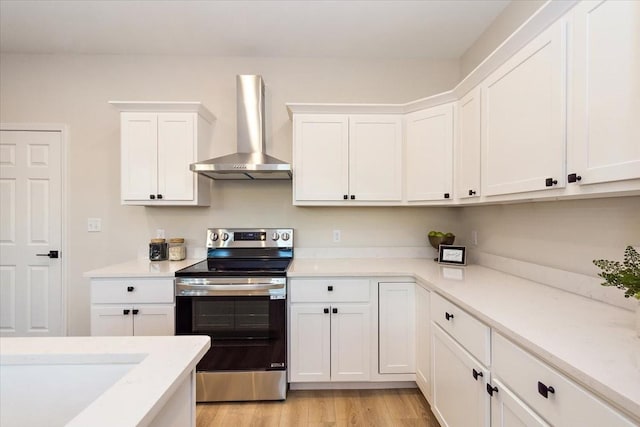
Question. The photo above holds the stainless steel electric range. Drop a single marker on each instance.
(237, 296)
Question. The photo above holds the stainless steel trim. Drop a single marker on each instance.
(268, 243)
(241, 386)
(195, 287)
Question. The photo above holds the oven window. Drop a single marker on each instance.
(233, 318)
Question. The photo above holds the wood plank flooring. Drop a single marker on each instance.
(379, 408)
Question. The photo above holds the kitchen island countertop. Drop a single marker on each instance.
(593, 343)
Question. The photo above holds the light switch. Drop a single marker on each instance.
(94, 225)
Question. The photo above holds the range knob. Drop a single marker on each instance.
(225, 237)
(285, 236)
(214, 237)
(275, 236)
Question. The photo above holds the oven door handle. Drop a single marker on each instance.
(269, 289)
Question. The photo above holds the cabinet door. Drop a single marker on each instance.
(310, 343)
(458, 398)
(468, 153)
(154, 320)
(350, 342)
(509, 411)
(321, 157)
(375, 158)
(605, 80)
(139, 161)
(523, 135)
(397, 328)
(111, 321)
(423, 341)
(430, 154)
(176, 151)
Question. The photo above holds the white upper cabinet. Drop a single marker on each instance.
(467, 152)
(157, 148)
(523, 116)
(604, 137)
(429, 154)
(347, 159)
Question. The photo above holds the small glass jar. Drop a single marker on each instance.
(157, 250)
(177, 249)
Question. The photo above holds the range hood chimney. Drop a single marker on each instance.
(251, 161)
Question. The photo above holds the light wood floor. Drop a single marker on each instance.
(398, 407)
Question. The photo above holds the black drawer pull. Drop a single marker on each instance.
(159, 196)
(472, 192)
(550, 182)
(330, 288)
(125, 312)
(491, 389)
(345, 197)
(572, 177)
(353, 197)
(130, 288)
(335, 310)
(477, 374)
(326, 311)
(448, 316)
(135, 311)
(446, 195)
(544, 390)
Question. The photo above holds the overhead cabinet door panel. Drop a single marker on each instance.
(523, 140)
(139, 136)
(176, 150)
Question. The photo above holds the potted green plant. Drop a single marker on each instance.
(623, 275)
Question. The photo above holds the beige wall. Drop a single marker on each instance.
(563, 234)
(514, 15)
(74, 90)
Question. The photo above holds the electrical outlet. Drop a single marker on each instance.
(94, 225)
(474, 238)
(160, 233)
(336, 236)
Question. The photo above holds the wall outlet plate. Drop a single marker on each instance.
(337, 236)
(94, 225)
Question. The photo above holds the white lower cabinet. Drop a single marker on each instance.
(329, 338)
(459, 384)
(509, 411)
(423, 341)
(396, 328)
(140, 306)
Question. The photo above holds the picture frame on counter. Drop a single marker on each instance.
(452, 255)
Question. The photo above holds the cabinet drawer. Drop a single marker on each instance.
(117, 291)
(472, 334)
(329, 290)
(568, 404)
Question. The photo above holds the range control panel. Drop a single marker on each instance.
(250, 238)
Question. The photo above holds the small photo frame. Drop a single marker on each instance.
(453, 255)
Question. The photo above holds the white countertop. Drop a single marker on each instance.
(141, 268)
(161, 363)
(592, 342)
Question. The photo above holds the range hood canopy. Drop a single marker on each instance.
(251, 161)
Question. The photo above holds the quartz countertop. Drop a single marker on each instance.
(593, 343)
(161, 363)
(141, 268)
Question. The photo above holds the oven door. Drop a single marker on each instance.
(246, 323)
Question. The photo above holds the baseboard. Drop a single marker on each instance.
(353, 385)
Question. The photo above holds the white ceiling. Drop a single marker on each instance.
(265, 28)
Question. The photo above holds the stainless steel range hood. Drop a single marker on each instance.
(251, 161)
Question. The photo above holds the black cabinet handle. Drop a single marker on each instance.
(549, 182)
(125, 312)
(130, 288)
(152, 196)
(446, 195)
(326, 311)
(545, 390)
(353, 197)
(472, 192)
(448, 316)
(159, 196)
(345, 197)
(335, 310)
(330, 288)
(135, 311)
(572, 177)
(491, 389)
(477, 374)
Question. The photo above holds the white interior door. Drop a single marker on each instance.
(31, 295)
